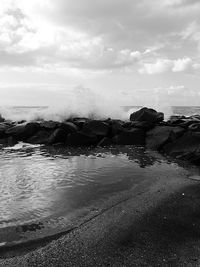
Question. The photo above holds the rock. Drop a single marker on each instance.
(3, 127)
(96, 127)
(160, 117)
(183, 121)
(80, 121)
(160, 135)
(130, 137)
(176, 122)
(58, 136)
(195, 127)
(23, 131)
(145, 125)
(147, 114)
(116, 126)
(81, 139)
(69, 127)
(106, 141)
(1, 118)
(9, 141)
(49, 125)
(195, 117)
(188, 143)
(41, 137)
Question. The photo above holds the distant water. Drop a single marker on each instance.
(176, 110)
(38, 112)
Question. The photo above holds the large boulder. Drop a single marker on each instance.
(106, 141)
(1, 118)
(81, 139)
(8, 141)
(80, 121)
(147, 114)
(41, 137)
(116, 126)
(23, 131)
(69, 127)
(3, 127)
(145, 125)
(49, 125)
(183, 121)
(58, 136)
(160, 135)
(187, 144)
(130, 137)
(195, 127)
(96, 127)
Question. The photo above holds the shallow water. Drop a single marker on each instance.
(46, 190)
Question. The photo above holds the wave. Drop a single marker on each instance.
(82, 102)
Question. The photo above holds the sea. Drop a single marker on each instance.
(46, 191)
(17, 113)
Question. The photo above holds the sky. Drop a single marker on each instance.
(135, 52)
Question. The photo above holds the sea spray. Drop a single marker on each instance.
(82, 102)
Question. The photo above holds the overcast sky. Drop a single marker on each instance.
(136, 51)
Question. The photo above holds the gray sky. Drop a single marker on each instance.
(134, 51)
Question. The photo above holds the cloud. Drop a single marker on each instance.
(97, 34)
(167, 65)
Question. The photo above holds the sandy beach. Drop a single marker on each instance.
(156, 225)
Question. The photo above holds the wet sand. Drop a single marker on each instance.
(156, 225)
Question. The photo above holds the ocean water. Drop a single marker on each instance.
(38, 112)
(49, 190)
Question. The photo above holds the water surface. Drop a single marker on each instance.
(46, 190)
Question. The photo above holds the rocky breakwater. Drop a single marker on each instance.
(178, 137)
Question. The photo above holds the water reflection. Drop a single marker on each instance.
(52, 182)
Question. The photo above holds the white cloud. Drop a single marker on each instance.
(182, 64)
(116, 40)
(94, 34)
(167, 65)
(160, 66)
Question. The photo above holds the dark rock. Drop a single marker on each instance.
(116, 126)
(41, 137)
(130, 137)
(195, 117)
(176, 117)
(49, 125)
(81, 139)
(23, 131)
(145, 125)
(58, 136)
(3, 127)
(96, 127)
(1, 118)
(69, 127)
(106, 141)
(127, 125)
(188, 143)
(80, 121)
(160, 116)
(176, 122)
(195, 127)
(147, 114)
(9, 141)
(183, 121)
(160, 135)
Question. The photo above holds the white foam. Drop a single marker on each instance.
(21, 146)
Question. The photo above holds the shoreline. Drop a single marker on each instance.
(147, 229)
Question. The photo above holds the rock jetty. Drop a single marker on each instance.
(178, 137)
